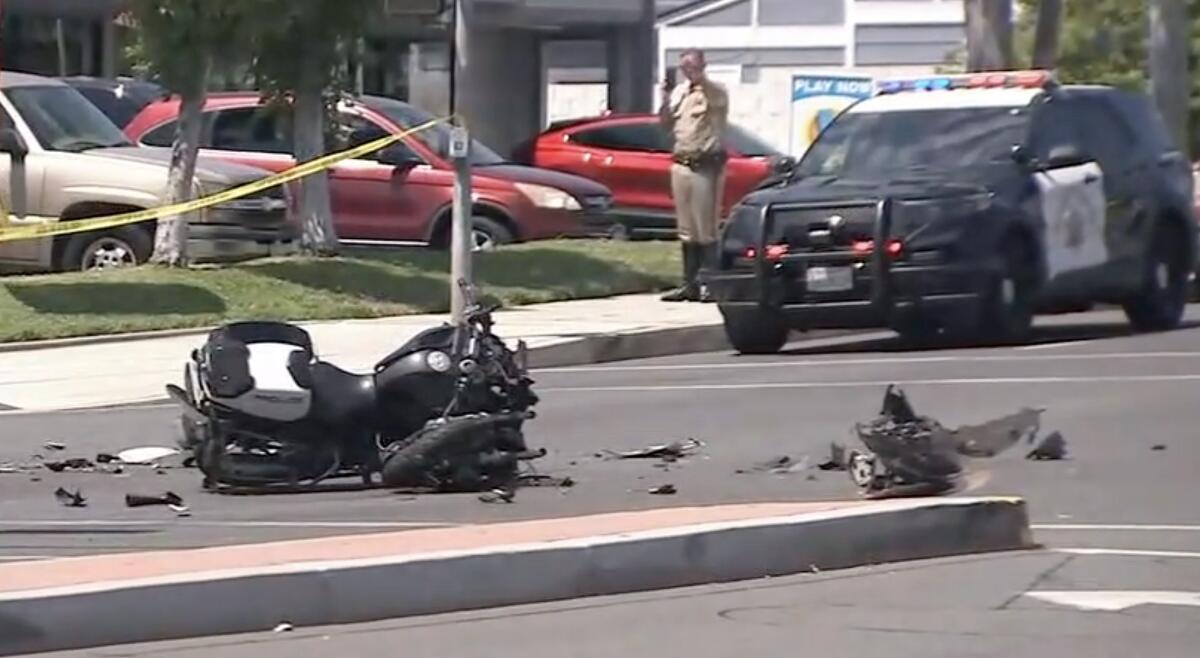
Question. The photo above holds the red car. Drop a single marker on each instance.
(403, 193)
(631, 154)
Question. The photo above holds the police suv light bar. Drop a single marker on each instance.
(1030, 79)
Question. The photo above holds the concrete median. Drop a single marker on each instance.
(116, 599)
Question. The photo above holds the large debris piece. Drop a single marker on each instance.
(913, 455)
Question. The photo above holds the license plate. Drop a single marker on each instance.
(829, 279)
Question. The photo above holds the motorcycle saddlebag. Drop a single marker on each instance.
(226, 354)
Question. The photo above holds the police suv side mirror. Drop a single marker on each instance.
(12, 144)
(1022, 157)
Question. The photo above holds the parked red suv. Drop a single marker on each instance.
(631, 154)
(403, 193)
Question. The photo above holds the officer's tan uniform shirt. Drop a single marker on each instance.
(696, 116)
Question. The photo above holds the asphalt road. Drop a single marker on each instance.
(1114, 396)
(991, 606)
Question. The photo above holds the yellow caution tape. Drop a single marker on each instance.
(48, 226)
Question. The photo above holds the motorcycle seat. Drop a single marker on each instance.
(340, 396)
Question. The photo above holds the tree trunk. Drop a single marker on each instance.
(989, 35)
(1049, 26)
(318, 236)
(1170, 80)
(170, 238)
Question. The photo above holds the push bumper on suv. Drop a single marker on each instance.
(846, 287)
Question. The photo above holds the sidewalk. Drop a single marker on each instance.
(90, 373)
(117, 599)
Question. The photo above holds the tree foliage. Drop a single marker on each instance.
(1106, 42)
(180, 41)
(299, 50)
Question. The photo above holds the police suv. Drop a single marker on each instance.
(965, 205)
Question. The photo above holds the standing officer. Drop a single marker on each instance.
(695, 113)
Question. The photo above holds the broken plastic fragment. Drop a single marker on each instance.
(70, 499)
(1052, 448)
(664, 490)
(145, 455)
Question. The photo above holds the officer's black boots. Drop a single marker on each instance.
(690, 290)
(695, 257)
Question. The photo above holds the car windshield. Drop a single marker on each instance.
(436, 138)
(883, 145)
(747, 143)
(63, 120)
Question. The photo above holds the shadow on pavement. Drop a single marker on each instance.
(1041, 336)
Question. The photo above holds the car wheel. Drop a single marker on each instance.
(1161, 303)
(113, 249)
(1007, 306)
(487, 234)
(755, 332)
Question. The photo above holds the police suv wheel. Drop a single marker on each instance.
(756, 331)
(1007, 305)
(1163, 299)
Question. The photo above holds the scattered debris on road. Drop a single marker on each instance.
(70, 499)
(284, 627)
(1158, 447)
(498, 495)
(1051, 448)
(781, 465)
(669, 452)
(105, 458)
(541, 480)
(74, 464)
(169, 499)
(146, 454)
(664, 490)
(837, 458)
(912, 455)
(54, 445)
(9, 468)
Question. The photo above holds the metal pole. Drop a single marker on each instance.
(460, 146)
(460, 230)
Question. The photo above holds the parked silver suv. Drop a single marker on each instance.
(67, 161)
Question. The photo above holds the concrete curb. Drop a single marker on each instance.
(52, 343)
(237, 601)
(649, 343)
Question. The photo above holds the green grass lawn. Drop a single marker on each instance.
(362, 284)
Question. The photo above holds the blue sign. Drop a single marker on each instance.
(808, 86)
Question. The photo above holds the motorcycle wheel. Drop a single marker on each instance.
(435, 453)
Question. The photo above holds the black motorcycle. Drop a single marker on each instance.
(444, 412)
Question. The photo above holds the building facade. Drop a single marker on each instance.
(771, 54)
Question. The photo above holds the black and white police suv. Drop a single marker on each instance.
(965, 205)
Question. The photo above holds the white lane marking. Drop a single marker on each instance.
(1129, 552)
(1050, 346)
(872, 383)
(914, 360)
(1105, 527)
(22, 558)
(37, 523)
(1115, 601)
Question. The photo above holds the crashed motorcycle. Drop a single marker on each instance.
(444, 412)
(911, 455)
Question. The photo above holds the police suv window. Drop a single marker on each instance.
(1108, 139)
(1055, 125)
